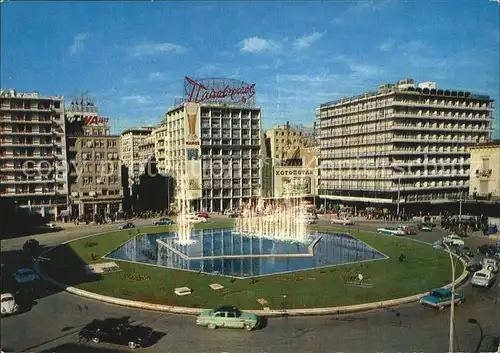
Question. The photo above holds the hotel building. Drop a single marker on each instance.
(212, 139)
(94, 159)
(484, 182)
(33, 151)
(401, 144)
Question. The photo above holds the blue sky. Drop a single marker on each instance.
(132, 57)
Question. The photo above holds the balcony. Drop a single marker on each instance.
(483, 174)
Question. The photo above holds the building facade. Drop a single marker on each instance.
(131, 142)
(33, 151)
(484, 178)
(290, 165)
(401, 144)
(94, 159)
(146, 152)
(212, 139)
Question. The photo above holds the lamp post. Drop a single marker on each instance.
(452, 307)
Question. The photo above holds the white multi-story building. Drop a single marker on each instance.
(400, 144)
(33, 151)
(213, 140)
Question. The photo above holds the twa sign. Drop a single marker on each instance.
(88, 119)
(227, 91)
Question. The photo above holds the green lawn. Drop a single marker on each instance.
(422, 269)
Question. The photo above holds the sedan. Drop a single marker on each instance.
(25, 275)
(227, 316)
(483, 278)
(163, 222)
(126, 226)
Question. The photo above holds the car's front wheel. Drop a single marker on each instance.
(211, 326)
(248, 327)
(95, 339)
(132, 345)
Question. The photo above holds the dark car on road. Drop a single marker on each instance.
(109, 331)
(163, 222)
(127, 225)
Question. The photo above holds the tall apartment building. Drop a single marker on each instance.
(401, 144)
(131, 141)
(485, 171)
(94, 155)
(33, 151)
(213, 138)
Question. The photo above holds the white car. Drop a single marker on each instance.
(483, 278)
(490, 264)
(343, 221)
(25, 275)
(196, 219)
(453, 239)
(9, 305)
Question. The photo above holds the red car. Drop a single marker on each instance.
(410, 231)
(203, 214)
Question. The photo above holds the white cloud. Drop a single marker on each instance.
(78, 43)
(387, 45)
(305, 42)
(157, 76)
(137, 99)
(259, 45)
(156, 48)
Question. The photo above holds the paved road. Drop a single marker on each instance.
(53, 323)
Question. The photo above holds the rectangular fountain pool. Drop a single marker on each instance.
(224, 252)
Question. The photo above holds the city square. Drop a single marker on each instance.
(307, 185)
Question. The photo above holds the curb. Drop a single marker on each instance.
(268, 313)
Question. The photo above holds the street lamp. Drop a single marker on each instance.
(452, 307)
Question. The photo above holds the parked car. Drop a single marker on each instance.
(440, 298)
(203, 214)
(163, 222)
(483, 278)
(227, 316)
(25, 275)
(453, 239)
(234, 215)
(8, 304)
(118, 333)
(490, 264)
(127, 226)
